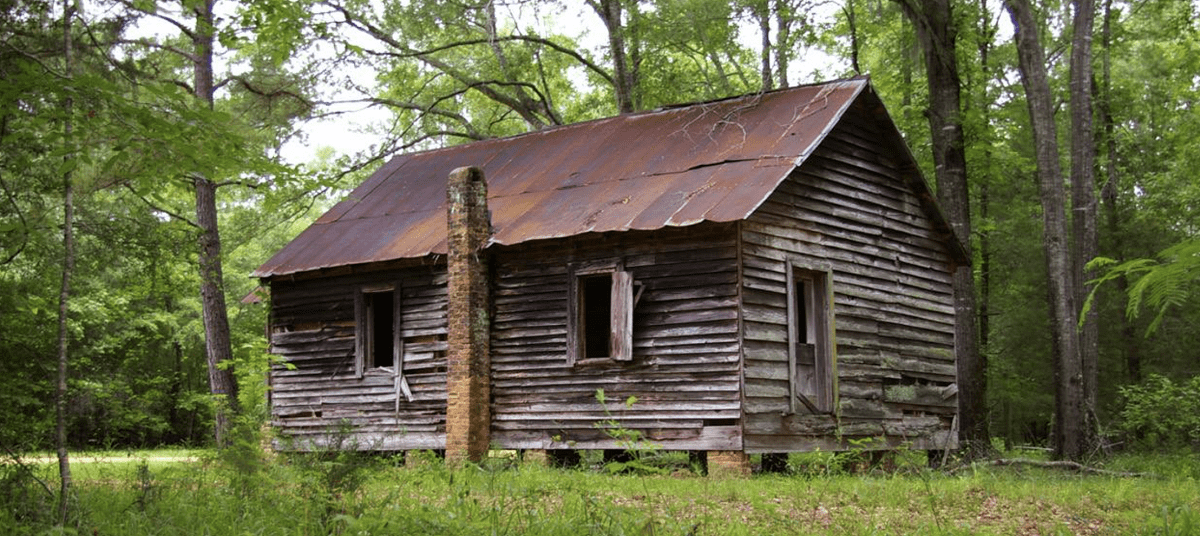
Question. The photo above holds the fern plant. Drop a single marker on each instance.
(1158, 284)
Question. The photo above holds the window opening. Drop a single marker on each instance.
(806, 307)
(600, 312)
(595, 302)
(380, 328)
(376, 332)
(378, 342)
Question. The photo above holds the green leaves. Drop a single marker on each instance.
(280, 28)
(1160, 413)
(145, 6)
(140, 135)
(1160, 284)
(67, 166)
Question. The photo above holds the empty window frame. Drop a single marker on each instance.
(377, 329)
(811, 369)
(599, 313)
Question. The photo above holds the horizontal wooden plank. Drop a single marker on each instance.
(929, 396)
(631, 418)
(789, 424)
(706, 438)
(377, 441)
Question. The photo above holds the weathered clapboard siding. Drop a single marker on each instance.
(318, 393)
(685, 367)
(847, 210)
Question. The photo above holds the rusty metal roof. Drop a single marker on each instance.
(715, 161)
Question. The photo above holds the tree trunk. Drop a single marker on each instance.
(986, 35)
(934, 23)
(985, 274)
(64, 294)
(633, 42)
(535, 107)
(610, 12)
(762, 12)
(911, 51)
(1083, 203)
(175, 392)
(783, 23)
(852, 22)
(222, 382)
(985, 253)
(1068, 373)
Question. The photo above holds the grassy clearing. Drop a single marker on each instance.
(351, 494)
(154, 456)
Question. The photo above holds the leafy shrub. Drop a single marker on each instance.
(1162, 413)
(244, 458)
(26, 498)
(336, 471)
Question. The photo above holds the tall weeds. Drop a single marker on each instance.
(343, 492)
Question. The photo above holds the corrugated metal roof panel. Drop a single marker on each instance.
(715, 161)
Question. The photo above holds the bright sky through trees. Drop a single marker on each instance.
(355, 125)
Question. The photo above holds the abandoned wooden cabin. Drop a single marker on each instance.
(767, 273)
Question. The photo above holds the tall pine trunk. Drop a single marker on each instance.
(935, 28)
(222, 382)
(1084, 208)
(987, 34)
(68, 266)
(1068, 372)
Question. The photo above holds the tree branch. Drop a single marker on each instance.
(16, 459)
(34, 59)
(484, 86)
(151, 44)
(108, 59)
(431, 109)
(269, 94)
(152, 206)
(244, 184)
(182, 28)
(527, 38)
(389, 151)
(17, 208)
(530, 115)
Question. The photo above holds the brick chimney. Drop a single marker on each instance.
(468, 382)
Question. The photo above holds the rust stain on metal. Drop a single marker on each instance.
(715, 161)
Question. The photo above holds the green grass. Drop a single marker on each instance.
(350, 494)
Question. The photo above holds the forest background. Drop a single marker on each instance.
(142, 178)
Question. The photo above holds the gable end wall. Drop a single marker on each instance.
(847, 210)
